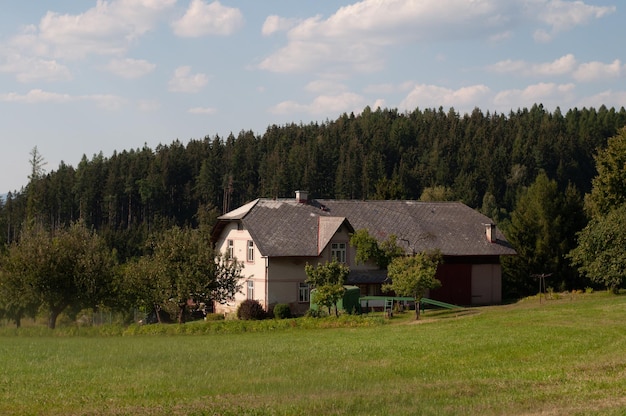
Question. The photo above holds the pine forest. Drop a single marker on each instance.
(524, 170)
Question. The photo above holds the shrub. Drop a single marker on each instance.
(282, 311)
(250, 309)
(315, 313)
(214, 317)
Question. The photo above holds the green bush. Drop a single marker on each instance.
(214, 317)
(250, 310)
(282, 311)
(315, 313)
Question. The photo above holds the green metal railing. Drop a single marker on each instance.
(438, 303)
(388, 302)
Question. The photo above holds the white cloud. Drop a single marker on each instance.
(288, 107)
(40, 52)
(275, 24)
(184, 81)
(542, 36)
(379, 103)
(608, 98)
(561, 66)
(37, 96)
(33, 69)
(320, 54)
(202, 110)
(566, 65)
(130, 68)
(501, 36)
(108, 28)
(336, 104)
(208, 19)
(562, 15)
(323, 105)
(509, 66)
(355, 38)
(538, 93)
(593, 71)
(426, 96)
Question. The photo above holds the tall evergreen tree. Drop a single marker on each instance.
(34, 189)
(542, 230)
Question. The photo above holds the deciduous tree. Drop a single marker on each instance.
(67, 268)
(601, 250)
(413, 276)
(369, 248)
(17, 300)
(182, 266)
(327, 279)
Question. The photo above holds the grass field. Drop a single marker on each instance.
(560, 357)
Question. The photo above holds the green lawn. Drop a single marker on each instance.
(561, 357)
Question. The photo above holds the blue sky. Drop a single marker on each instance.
(80, 77)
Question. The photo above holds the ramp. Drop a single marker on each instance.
(438, 303)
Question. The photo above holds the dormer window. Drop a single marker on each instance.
(338, 252)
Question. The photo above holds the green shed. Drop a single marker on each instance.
(349, 303)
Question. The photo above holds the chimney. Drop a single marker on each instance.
(490, 232)
(302, 197)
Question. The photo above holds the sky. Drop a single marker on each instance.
(82, 77)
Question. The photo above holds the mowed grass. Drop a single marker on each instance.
(560, 357)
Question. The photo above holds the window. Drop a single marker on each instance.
(303, 292)
(338, 252)
(250, 250)
(231, 249)
(250, 289)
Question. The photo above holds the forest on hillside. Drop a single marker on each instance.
(490, 161)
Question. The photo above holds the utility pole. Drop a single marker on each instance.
(542, 282)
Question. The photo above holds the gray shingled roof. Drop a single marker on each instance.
(452, 227)
(285, 227)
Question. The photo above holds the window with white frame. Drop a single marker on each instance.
(250, 250)
(338, 252)
(303, 292)
(231, 249)
(250, 289)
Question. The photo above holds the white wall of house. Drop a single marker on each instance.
(253, 266)
(277, 279)
(486, 284)
(285, 274)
